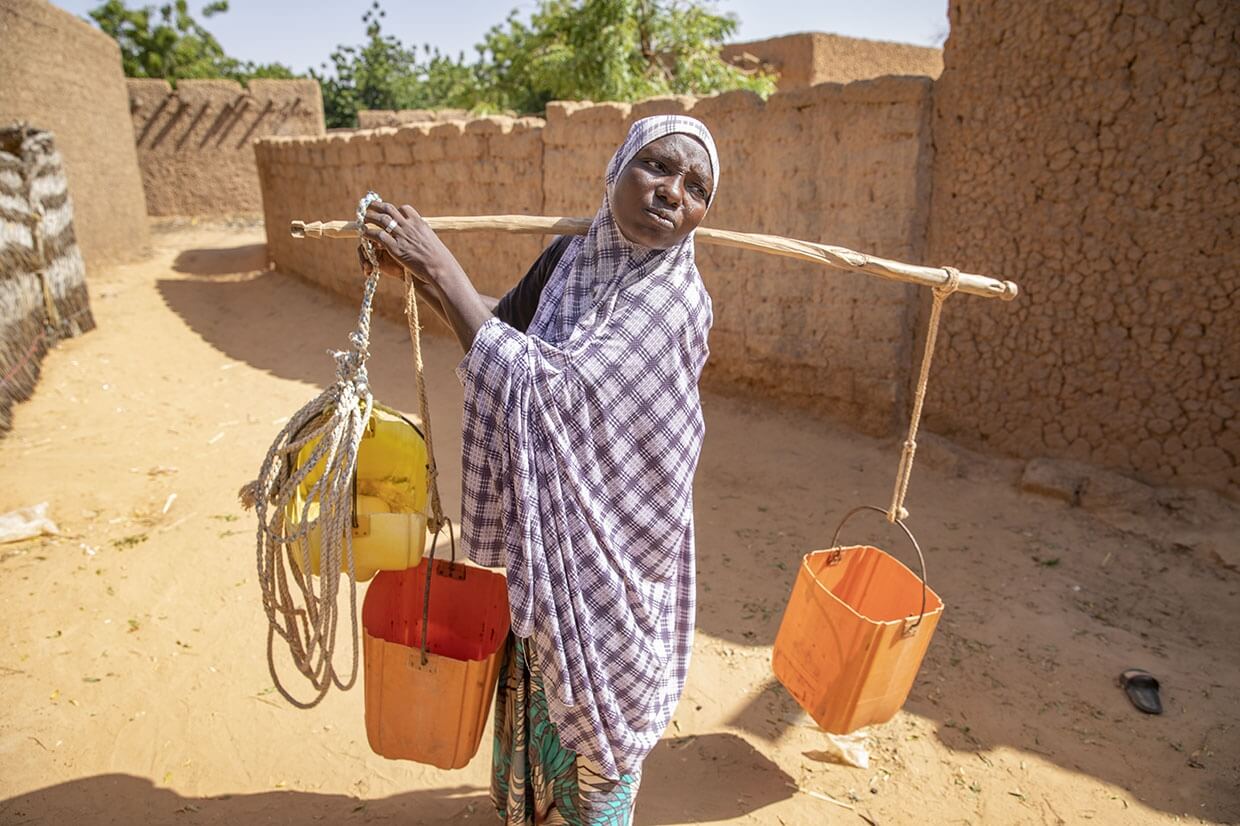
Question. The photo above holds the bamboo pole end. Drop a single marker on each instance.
(297, 229)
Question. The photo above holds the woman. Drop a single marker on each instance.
(582, 429)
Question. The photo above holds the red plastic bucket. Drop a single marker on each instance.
(429, 685)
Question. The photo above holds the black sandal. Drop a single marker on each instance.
(1142, 689)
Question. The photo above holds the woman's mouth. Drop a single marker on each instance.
(661, 219)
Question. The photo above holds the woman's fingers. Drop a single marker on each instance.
(384, 216)
(385, 239)
(406, 237)
(374, 233)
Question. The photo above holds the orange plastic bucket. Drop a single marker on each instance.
(430, 669)
(854, 633)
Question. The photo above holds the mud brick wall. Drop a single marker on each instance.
(60, 74)
(480, 167)
(1088, 151)
(810, 58)
(844, 164)
(195, 143)
(375, 118)
(847, 164)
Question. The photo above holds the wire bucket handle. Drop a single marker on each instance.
(909, 629)
(452, 568)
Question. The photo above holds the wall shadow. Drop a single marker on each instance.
(727, 776)
(125, 800)
(1044, 605)
(222, 260)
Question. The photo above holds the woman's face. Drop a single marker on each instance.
(662, 194)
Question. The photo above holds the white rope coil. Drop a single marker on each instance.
(336, 419)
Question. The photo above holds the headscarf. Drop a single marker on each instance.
(580, 441)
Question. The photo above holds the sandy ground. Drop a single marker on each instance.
(132, 664)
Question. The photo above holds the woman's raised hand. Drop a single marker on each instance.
(408, 243)
(408, 240)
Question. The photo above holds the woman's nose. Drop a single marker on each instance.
(672, 190)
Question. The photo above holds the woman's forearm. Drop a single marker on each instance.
(466, 309)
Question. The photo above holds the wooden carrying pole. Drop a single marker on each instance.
(838, 257)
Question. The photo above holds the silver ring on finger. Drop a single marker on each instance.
(391, 225)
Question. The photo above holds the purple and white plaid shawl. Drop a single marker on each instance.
(581, 438)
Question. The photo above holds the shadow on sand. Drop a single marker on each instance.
(722, 769)
(222, 260)
(1026, 653)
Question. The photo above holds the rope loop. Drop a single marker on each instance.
(306, 616)
(951, 285)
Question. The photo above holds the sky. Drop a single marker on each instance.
(302, 33)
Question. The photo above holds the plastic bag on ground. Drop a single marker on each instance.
(846, 749)
(26, 523)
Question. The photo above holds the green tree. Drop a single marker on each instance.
(569, 50)
(384, 73)
(168, 42)
(609, 50)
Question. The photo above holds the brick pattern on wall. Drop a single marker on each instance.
(844, 164)
(479, 167)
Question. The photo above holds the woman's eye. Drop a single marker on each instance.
(657, 165)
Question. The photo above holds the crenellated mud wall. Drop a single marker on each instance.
(809, 58)
(453, 168)
(843, 164)
(1085, 151)
(848, 164)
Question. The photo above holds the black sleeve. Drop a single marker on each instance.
(517, 308)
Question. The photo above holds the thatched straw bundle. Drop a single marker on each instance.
(42, 278)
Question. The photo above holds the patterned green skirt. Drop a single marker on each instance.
(534, 779)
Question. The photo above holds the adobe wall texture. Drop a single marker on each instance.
(195, 143)
(844, 164)
(62, 75)
(478, 167)
(376, 118)
(816, 57)
(848, 164)
(1088, 151)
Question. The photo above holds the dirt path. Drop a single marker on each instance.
(132, 670)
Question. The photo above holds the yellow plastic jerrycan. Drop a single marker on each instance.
(392, 484)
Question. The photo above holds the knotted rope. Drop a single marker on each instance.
(336, 419)
(897, 512)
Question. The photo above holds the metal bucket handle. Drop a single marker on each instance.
(834, 558)
(430, 571)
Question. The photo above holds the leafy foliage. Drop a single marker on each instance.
(609, 50)
(384, 73)
(169, 42)
(569, 50)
